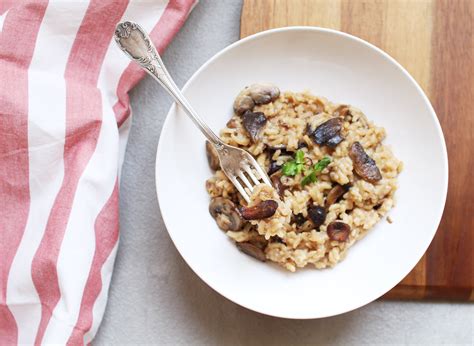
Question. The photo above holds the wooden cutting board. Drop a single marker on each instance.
(433, 40)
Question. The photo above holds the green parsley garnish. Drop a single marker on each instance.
(299, 156)
(316, 169)
(321, 164)
(310, 178)
(294, 167)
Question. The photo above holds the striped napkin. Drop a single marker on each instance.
(64, 121)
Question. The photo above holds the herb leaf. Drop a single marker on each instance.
(310, 178)
(299, 157)
(295, 166)
(316, 169)
(321, 164)
(289, 168)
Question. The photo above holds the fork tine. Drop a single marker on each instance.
(240, 188)
(246, 181)
(251, 174)
(261, 173)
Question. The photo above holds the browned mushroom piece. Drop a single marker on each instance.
(328, 133)
(262, 210)
(259, 241)
(274, 167)
(298, 219)
(212, 157)
(277, 183)
(243, 103)
(364, 165)
(255, 94)
(225, 213)
(334, 141)
(276, 239)
(341, 111)
(270, 151)
(338, 231)
(253, 123)
(317, 215)
(335, 193)
(263, 93)
(302, 144)
(252, 250)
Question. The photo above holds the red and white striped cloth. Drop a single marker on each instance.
(64, 121)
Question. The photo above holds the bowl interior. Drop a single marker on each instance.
(343, 69)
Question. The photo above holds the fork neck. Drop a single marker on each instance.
(137, 45)
(191, 113)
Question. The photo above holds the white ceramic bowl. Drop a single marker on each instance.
(344, 69)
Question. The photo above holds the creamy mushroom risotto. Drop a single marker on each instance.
(333, 178)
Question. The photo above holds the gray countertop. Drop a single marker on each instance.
(155, 298)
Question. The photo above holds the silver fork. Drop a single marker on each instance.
(239, 166)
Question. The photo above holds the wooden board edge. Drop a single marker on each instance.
(407, 292)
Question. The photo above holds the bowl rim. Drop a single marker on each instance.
(259, 35)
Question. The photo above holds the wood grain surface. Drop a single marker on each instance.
(433, 40)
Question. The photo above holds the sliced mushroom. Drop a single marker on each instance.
(263, 93)
(302, 144)
(364, 165)
(212, 156)
(276, 239)
(274, 167)
(307, 226)
(262, 210)
(259, 241)
(334, 141)
(226, 214)
(278, 184)
(299, 219)
(317, 215)
(253, 123)
(341, 111)
(252, 250)
(335, 193)
(243, 103)
(338, 231)
(255, 94)
(328, 133)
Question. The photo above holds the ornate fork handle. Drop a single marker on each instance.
(136, 43)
